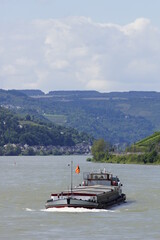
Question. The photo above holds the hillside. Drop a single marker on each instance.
(147, 144)
(26, 130)
(120, 118)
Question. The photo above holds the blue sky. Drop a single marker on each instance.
(105, 45)
(116, 11)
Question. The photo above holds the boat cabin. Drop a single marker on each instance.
(101, 178)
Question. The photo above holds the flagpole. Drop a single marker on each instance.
(71, 176)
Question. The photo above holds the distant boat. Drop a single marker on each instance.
(98, 190)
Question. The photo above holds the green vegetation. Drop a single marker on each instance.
(146, 158)
(18, 131)
(57, 119)
(147, 144)
(119, 118)
(101, 152)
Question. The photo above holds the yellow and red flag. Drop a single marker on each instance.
(77, 169)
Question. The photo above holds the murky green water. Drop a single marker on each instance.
(26, 183)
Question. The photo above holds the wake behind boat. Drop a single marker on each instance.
(98, 190)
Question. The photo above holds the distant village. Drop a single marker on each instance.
(17, 149)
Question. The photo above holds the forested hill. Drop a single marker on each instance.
(120, 118)
(27, 130)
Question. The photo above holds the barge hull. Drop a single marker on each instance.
(70, 202)
(74, 203)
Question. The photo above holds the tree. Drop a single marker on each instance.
(12, 150)
(1, 151)
(99, 149)
(152, 156)
(28, 117)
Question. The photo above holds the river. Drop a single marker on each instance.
(27, 182)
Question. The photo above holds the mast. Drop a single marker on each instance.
(71, 176)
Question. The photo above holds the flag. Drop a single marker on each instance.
(77, 169)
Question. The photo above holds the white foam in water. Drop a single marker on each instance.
(29, 210)
(75, 210)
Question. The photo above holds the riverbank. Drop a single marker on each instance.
(129, 158)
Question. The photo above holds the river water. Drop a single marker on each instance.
(27, 182)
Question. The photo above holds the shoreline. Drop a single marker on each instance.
(150, 158)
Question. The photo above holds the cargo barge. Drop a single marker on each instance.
(98, 190)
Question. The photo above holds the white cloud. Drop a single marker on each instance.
(138, 26)
(8, 70)
(143, 68)
(25, 62)
(76, 53)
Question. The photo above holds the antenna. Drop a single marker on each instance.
(71, 176)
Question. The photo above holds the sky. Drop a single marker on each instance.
(103, 45)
